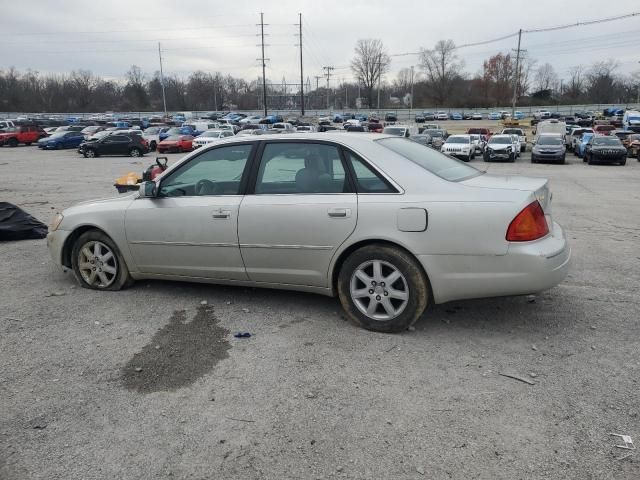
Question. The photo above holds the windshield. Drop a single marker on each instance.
(430, 159)
(512, 131)
(635, 118)
(394, 131)
(500, 140)
(173, 131)
(550, 141)
(152, 131)
(455, 139)
(610, 141)
(57, 135)
(211, 134)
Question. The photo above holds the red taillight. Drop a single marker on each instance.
(528, 225)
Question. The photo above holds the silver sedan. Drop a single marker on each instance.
(386, 224)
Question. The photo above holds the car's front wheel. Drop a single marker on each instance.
(89, 153)
(98, 264)
(382, 288)
(135, 152)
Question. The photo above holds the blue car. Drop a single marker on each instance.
(61, 140)
(456, 116)
(176, 131)
(579, 151)
(495, 116)
(517, 115)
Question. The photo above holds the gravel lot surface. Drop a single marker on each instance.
(150, 383)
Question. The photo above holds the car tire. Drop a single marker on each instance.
(406, 301)
(534, 159)
(523, 148)
(512, 157)
(589, 160)
(58, 146)
(85, 251)
(135, 152)
(12, 142)
(27, 144)
(624, 161)
(90, 153)
(563, 160)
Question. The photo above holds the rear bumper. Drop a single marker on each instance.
(528, 267)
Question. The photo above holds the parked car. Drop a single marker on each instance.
(176, 131)
(253, 119)
(521, 136)
(438, 137)
(386, 261)
(442, 115)
(199, 127)
(152, 136)
(176, 143)
(501, 147)
(352, 122)
(476, 116)
(429, 116)
(400, 130)
(550, 126)
(209, 137)
(307, 128)
(390, 117)
(631, 121)
(13, 136)
(581, 143)
(91, 130)
(456, 116)
(283, 127)
(603, 129)
(479, 143)
(115, 144)
(549, 147)
(574, 136)
(585, 119)
(485, 132)
(375, 127)
(60, 140)
(459, 146)
(420, 118)
(5, 124)
(518, 115)
(542, 114)
(634, 146)
(422, 139)
(604, 149)
(494, 116)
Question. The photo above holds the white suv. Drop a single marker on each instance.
(460, 146)
(522, 137)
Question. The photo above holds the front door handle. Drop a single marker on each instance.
(339, 212)
(221, 214)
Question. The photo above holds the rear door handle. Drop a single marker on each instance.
(339, 212)
(221, 214)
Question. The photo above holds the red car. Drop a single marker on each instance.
(480, 131)
(175, 143)
(603, 129)
(375, 127)
(16, 135)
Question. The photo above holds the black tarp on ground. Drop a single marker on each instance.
(16, 224)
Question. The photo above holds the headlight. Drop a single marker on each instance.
(55, 223)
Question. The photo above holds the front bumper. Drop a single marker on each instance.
(55, 244)
(553, 156)
(604, 158)
(498, 155)
(526, 268)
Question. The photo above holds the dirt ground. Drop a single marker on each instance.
(150, 382)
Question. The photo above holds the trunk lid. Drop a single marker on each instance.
(538, 186)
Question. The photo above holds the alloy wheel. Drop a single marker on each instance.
(97, 264)
(379, 290)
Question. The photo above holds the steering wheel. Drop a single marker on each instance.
(206, 187)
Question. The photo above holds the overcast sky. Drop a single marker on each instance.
(107, 37)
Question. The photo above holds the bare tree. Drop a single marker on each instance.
(575, 85)
(442, 67)
(402, 83)
(546, 77)
(371, 61)
(600, 79)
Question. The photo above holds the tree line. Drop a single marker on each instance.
(439, 80)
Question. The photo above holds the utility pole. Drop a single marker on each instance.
(164, 98)
(346, 95)
(264, 77)
(318, 77)
(515, 77)
(301, 77)
(328, 75)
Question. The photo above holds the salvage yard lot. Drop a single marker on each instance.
(150, 382)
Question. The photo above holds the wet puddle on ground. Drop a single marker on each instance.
(179, 353)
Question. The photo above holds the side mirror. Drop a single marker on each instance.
(148, 190)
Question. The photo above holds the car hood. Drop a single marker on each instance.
(88, 205)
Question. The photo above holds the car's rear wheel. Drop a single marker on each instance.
(624, 161)
(382, 288)
(590, 160)
(12, 142)
(98, 264)
(152, 146)
(135, 152)
(58, 146)
(27, 143)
